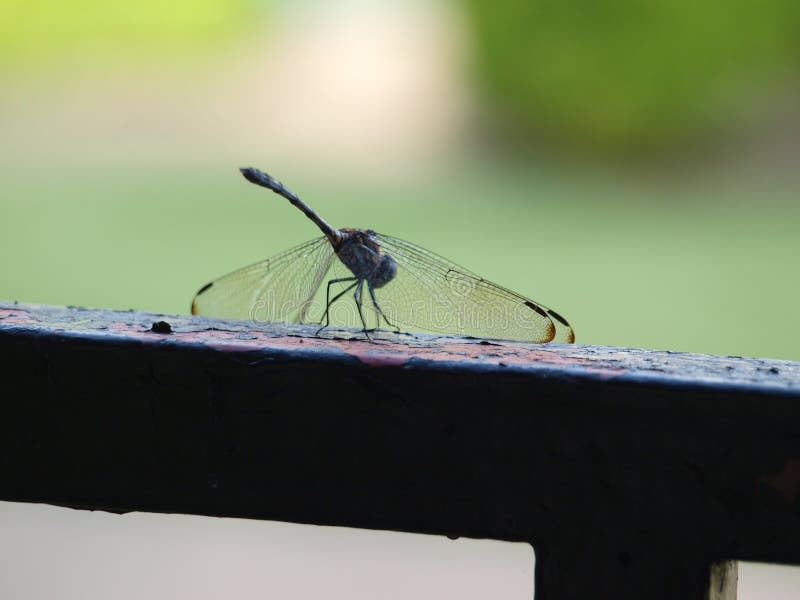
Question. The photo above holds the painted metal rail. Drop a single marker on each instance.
(633, 473)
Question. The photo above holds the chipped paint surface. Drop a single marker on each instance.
(397, 350)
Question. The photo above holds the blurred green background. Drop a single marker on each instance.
(633, 76)
(631, 164)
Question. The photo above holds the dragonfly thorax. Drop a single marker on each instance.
(360, 252)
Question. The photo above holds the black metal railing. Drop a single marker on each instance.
(633, 473)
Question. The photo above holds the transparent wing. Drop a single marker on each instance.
(280, 288)
(430, 293)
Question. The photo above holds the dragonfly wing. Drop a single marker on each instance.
(431, 293)
(278, 289)
(564, 333)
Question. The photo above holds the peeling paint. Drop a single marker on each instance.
(398, 350)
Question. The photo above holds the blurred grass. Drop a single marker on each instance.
(707, 269)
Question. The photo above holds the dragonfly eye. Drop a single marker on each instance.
(384, 273)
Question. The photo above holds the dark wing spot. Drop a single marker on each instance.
(200, 291)
(558, 317)
(204, 288)
(536, 308)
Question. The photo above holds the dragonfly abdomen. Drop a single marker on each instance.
(384, 273)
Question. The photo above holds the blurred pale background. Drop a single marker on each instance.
(634, 165)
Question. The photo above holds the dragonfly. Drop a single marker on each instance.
(365, 280)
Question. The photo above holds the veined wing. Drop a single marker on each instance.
(432, 293)
(279, 288)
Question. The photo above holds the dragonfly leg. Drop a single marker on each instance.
(358, 297)
(379, 309)
(328, 300)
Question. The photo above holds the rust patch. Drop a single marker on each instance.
(398, 354)
(389, 350)
(384, 353)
